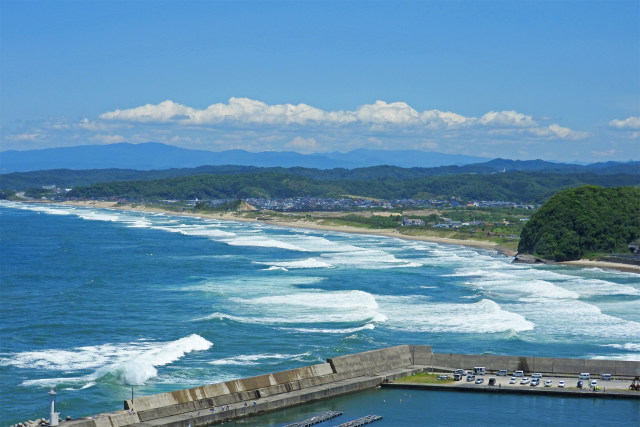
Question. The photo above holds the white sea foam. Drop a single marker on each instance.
(204, 231)
(629, 346)
(596, 287)
(98, 215)
(484, 316)
(367, 259)
(257, 359)
(634, 357)
(79, 382)
(320, 300)
(139, 223)
(306, 308)
(367, 326)
(561, 319)
(132, 363)
(303, 263)
(262, 242)
(518, 288)
(252, 285)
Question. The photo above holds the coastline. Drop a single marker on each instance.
(628, 268)
(304, 224)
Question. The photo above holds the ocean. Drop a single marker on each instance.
(102, 303)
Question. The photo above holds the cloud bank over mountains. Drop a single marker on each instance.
(258, 126)
(245, 111)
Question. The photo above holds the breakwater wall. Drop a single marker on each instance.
(547, 365)
(214, 403)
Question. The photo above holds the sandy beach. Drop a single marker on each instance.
(302, 223)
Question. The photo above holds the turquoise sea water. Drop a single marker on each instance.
(445, 408)
(97, 302)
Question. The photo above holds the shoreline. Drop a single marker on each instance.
(303, 224)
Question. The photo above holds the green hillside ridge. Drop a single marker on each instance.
(527, 187)
(583, 221)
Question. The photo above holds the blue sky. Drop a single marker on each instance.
(557, 80)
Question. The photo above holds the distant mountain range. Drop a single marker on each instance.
(153, 156)
(607, 174)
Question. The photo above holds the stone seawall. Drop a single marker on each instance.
(548, 365)
(214, 403)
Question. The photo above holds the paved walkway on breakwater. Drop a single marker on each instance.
(340, 375)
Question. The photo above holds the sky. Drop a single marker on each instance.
(553, 80)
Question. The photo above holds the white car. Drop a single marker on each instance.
(560, 383)
(513, 380)
(548, 383)
(525, 380)
(536, 375)
(594, 384)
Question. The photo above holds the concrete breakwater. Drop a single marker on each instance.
(214, 403)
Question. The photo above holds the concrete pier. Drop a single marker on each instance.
(214, 403)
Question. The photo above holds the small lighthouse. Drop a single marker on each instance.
(53, 418)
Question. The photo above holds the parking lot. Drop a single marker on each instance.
(570, 382)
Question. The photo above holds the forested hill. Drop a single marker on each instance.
(527, 187)
(582, 221)
(67, 178)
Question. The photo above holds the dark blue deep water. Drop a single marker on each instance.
(95, 302)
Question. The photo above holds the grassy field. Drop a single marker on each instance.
(424, 378)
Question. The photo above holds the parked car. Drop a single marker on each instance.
(524, 380)
(502, 373)
(460, 371)
(594, 384)
(443, 377)
(518, 374)
(457, 377)
(480, 380)
(579, 385)
(537, 375)
(513, 380)
(471, 378)
(492, 381)
(606, 377)
(548, 383)
(560, 383)
(535, 382)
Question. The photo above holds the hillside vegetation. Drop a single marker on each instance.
(67, 178)
(527, 187)
(582, 221)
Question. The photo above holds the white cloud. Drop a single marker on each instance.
(162, 112)
(241, 110)
(380, 116)
(380, 112)
(506, 119)
(256, 126)
(108, 139)
(26, 137)
(93, 126)
(303, 145)
(565, 133)
(249, 111)
(607, 153)
(628, 123)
